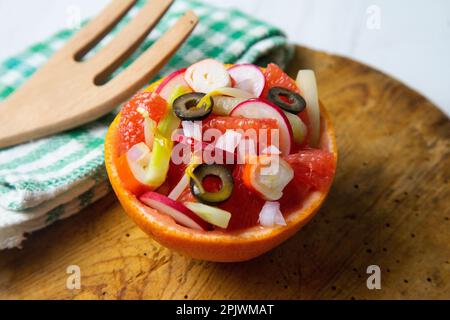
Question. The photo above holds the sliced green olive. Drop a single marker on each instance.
(287, 100)
(186, 106)
(215, 171)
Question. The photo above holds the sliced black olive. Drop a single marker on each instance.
(216, 171)
(185, 107)
(287, 100)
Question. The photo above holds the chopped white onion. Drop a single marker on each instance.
(139, 153)
(279, 219)
(228, 141)
(138, 158)
(270, 176)
(271, 150)
(179, 188)
(306, 81)
(271, 215)
(192, 129)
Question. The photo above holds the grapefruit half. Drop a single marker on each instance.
(217, 245)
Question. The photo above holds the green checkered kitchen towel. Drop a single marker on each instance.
(52, 178)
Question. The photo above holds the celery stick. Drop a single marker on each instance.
(158, 167)
(159, 163)
(213, 215)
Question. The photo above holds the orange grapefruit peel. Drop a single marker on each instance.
(217, 245)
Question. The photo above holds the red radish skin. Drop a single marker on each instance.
(172, 81)
(262, 109)
(179, 212)
(248, 77)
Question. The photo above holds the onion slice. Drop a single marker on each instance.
(179, 188)
(227, 92)
(299, 129)
(223, 105)
(306, 81)
(139, 153)
(232, 92)
(268, 177)
(271, 215)
(138, 158)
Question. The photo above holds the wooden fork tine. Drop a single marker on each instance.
(129, 38)
(152, 60)
(62, 94)
(85, 39)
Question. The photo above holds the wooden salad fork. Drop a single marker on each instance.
(68, 91)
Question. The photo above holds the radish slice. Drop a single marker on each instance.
(213, 215)
(179, 188)
(224, 105)
(261, 109)
(248, 77)
(176, 210)
(306, 81)
(271, 215)
(299, 129)
(207, 75)
(171, 82)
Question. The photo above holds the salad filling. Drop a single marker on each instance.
(224, 147)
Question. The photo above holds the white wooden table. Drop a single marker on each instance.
(407, 39)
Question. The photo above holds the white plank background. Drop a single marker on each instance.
(407, 39)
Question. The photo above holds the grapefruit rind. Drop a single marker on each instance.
(217, 245)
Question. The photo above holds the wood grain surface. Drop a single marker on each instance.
(389, 206)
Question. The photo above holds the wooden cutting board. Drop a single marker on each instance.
(389, 206)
